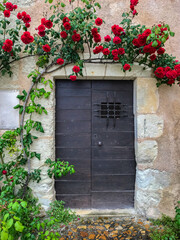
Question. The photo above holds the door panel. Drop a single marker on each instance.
(95, 133)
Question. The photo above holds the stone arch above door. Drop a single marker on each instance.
(148, 128)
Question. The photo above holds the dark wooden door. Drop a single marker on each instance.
(95, 132)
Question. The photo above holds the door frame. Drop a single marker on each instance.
(142, 81)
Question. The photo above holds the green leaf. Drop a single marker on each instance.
(38, 226)
(163, 40)
(18, 226)
(9, 223)
(5, 217)
(46, 233)
(4, 235)
(63, 5)
(172, 34)
(155, 44)
(50, 1)
(24, 204)
(15, 206)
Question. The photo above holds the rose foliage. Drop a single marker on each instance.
(59, 40)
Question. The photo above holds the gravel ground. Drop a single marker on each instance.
(106, 229)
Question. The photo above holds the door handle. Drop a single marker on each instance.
(99, 144)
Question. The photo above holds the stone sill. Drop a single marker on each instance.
(105, 212)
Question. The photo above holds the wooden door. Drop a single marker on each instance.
(95, 132)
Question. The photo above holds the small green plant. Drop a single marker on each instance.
(20, 220)
(61, 214)
(170, 227)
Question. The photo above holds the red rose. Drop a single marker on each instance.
(26, 18)
(4, 172)
(98, 21)
(48, 24)
(97, 38)
(41, 28)
(19, 16)
(23, 13)
(9, 42)
(115, 58)
(134, 2)
(7, 45)
(15, 7)
(9, 6)
(170, 82)
(146, 32)
(42, 34)
(160, 50)
(121, 51)
(135, 42)
(73, 78)
(172, 74)
(117, 30)
(60, 61)
(126, 67)
(27, 25)
(65, 19)
(106, 51)
(167, 69)
(178, 72)
(98, 49)
(149, 49)
(107, 38)
(7, 48)
(76, 69)
(46, 48)
(7, 13)
(76, 37)
(63, 34)
(117, 40)
(131, 7)
(177, 67)
(114, 28)
(43, 20)
(115, 52)
(142, 40)
(94, 31)
(27, 38)
(153, 57)
(159, 72)
(134, 12)
(67, 25)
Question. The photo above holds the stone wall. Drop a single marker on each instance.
(157, 111)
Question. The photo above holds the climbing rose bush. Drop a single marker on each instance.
(126, 43)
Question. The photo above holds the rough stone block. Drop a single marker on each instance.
(46, 148)
(147, 203)
(152, 179)
(149, 126)
(147, 151)
(147, 95)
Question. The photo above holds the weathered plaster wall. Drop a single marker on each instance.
(157, 110)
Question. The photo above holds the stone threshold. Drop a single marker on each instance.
(115, 213)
